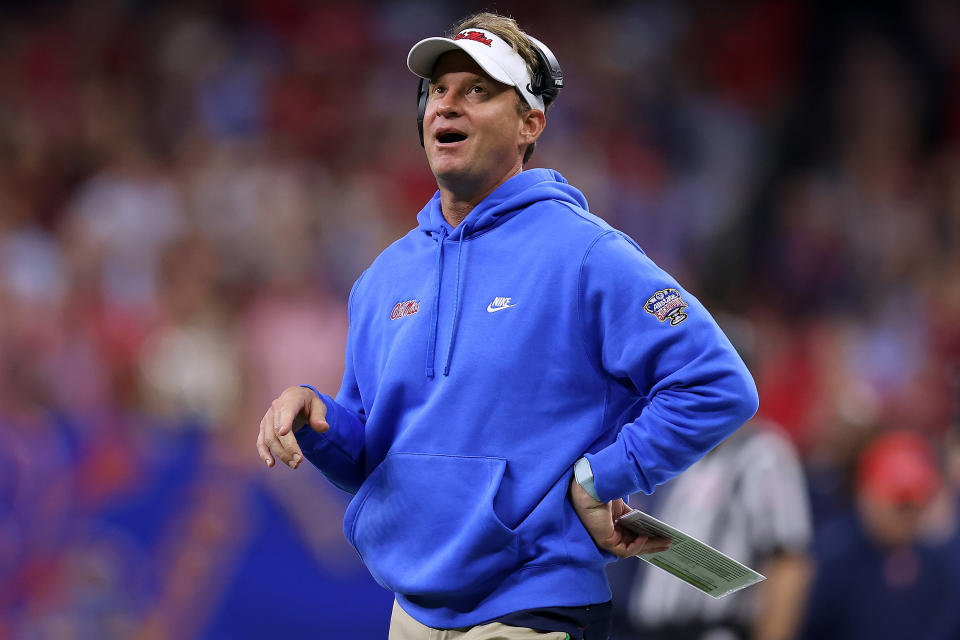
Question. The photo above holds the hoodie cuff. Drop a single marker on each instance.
(616, 475)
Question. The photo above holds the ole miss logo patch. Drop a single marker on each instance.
(403, 309)
(476, 36)
(667, 304)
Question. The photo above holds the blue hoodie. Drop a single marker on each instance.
(484, 360)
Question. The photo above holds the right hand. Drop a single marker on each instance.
(600, 521)
(295, 408)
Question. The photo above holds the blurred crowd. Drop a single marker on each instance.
(189, 189)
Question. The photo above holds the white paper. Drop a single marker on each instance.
(694, 562)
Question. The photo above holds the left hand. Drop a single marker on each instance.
(294, 409)
(599, 519)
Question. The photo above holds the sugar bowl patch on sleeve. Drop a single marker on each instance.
(667, 304)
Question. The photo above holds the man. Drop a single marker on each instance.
(748, 497)
(508, 337)
(875, 576)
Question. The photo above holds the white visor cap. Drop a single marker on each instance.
(497, 58)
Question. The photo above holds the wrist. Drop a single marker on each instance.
(312, 388)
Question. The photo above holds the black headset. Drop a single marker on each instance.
(547, 82)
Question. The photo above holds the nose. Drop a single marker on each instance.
(446, 105)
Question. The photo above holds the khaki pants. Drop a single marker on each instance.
(404, 627)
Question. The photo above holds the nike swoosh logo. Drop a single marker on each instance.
(493, 309)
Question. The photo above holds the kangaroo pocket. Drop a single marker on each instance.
(425, 525)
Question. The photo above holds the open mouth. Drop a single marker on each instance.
(450, 137)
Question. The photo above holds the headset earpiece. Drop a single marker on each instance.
(548, 81)
(423, 91)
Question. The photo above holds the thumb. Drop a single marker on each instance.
(318, 415)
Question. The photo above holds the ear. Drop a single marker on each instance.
(531, 126)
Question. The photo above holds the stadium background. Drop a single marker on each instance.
(188, 190)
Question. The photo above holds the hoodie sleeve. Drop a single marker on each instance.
(655, 338)
(340, 452)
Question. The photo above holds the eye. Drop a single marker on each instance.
(477, 89)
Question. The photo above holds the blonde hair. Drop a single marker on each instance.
(508, 29)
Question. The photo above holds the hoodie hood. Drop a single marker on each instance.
(513, 196)
(520, 191)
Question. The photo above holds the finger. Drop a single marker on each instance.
(289, 418)
(612, 542)
(626, 546)
(283, 424)
(276, 447)
(284, 452)
(621, 551)
(657, 544)
(264, 452)
(318, 414)
(287, 450)
(644, 545)
(282, 416)
(291, 445)
(319, 425)
(262, 447)
(634, 547)
(648, 550)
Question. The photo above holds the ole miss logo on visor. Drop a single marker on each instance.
(476, 36)
(404, 309)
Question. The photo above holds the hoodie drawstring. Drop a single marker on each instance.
(519, 192)
(456, 302)
(435, 320)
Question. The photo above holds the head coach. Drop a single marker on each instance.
(514, 368)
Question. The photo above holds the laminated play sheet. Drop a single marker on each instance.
(689, 559)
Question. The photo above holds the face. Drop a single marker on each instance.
(890, 524)
(474, 136)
